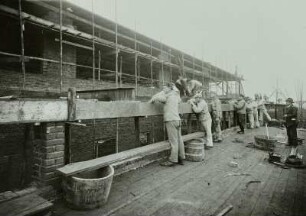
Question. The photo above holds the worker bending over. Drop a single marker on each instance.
(170, 97)
(199, 106)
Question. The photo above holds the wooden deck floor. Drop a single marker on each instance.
(255, 187)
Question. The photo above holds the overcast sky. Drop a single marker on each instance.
(266, 39)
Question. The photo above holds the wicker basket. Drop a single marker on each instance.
(265, 143)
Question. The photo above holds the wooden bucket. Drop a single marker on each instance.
(194, 150)
(265, 143)
(88, 190)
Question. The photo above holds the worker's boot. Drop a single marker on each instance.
(180, 161)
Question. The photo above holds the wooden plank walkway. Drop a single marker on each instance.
(255, 187)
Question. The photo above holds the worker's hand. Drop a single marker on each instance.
(285, 115)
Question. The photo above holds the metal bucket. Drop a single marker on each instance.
(88, 190)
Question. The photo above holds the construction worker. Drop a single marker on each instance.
(249, 112)
(255, 113)
(262, 111)
(170, 97)
(200, 107)
(240, 107)
(216, 114)
(188, 87)
(291, 125)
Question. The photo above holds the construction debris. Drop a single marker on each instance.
(225, 210)
(237, 174)
(233, 164)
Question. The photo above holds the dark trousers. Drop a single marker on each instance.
(241, 121)
(292, 135)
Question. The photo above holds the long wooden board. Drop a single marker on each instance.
(97, 163)
(29, 110)
(25, 110)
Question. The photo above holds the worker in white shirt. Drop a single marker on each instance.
(200, 107)
(170, 97)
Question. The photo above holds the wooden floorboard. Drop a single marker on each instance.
(205, 188)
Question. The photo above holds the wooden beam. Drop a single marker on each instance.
(97, 163)
(27, 111)
(30, 110)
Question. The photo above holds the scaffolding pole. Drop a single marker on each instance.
(61, 45)
(136, 60)
(22, 44)
(120, 81)
(99, 71)
(116, 36)
(93, 45)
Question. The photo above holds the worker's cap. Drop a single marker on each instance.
(290, 100)
(247, 98)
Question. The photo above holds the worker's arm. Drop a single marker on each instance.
(197, 108)
(159, 97)
(239, 105)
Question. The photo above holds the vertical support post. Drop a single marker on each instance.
(162, 63)
(99, 71)
(136, 78)
(162, 67)
(137, 130)
(71, 104)
(61, 45)
(120, 84)
(22, 44)
(93, 45)
(116, 35)
(136, 60)
(117, 135)
(153, 131)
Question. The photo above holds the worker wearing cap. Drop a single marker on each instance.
(216, 114)
(200, 107)
(170, 97)
(291, 124)
(249, 111)
(240, 107)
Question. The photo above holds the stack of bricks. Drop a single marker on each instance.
(49, 153)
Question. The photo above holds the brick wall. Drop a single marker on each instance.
(82, 137)
(49, 146)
